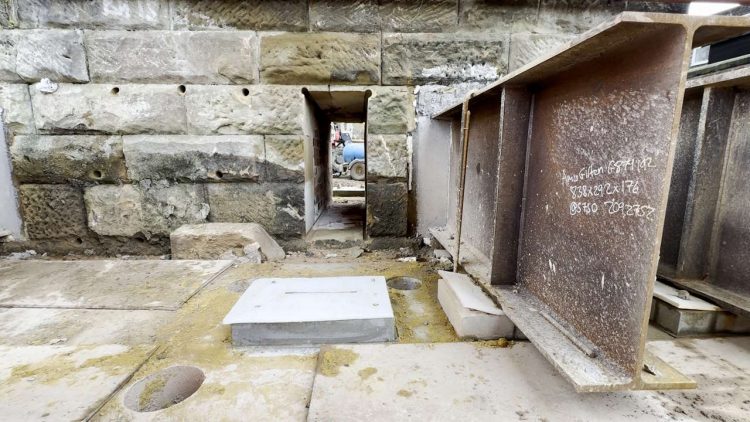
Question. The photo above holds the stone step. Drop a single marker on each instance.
(213, 240)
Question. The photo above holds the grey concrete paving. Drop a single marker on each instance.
(103, 284)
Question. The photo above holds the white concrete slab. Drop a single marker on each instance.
(104, 284)
(62, 383)
(670, 295)
(469, 294)
(464, 381)
(313, 311)
(470, 323)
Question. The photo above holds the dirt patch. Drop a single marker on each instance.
(367, 372)
(501, 342)
(331, 361)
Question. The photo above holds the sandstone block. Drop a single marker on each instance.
(16, 106)
(123, 109)
(211, 240)
(345, 16)
(526, 47)
(52, 211)
(324, 58)
(273, 15)
(656, 7)
(61, 159)
(498, 16)
(285, 158)
(170, 56)
(390, 110)
(422, 16)
(433, 99)
(255, 110)
(279, 207)
(120, 14)
(574, 16)
(387, 205)
(387, 157)
(54, 54)
(185, 158)
(8, 44)
(7, 15)
(148, 209)
(416, 59)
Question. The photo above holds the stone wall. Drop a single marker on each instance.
(167, 112)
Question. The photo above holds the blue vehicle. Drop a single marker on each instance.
(349, 158)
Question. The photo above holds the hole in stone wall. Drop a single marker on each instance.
(96, 174)
(404, 283)
(163, 389)
(79, 240)
(245, 92)
(182, 89)
(115, 91)
(219, 174)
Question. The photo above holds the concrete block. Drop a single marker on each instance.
(345, 16)
(285, 158)
(55, 54)
(387, 205)
(387, 157)
(423, 16)
(320, 58)
(192, 158)
(211, 240)
(8, 48)
(526, 47)
(16, 105)
(171, 56)
(432, 99)
(269, 15)
(278, 207)
(470, 324)
(52, 211)
(390, 110)
(127, 210)
(62, 159)
(417, 59)
(236, 110)
(125, 109)
(313, 311)
(118, 14)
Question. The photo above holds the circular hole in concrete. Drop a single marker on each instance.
(182, 89)
(163, 389)
(404, 283)
(115, 91)
(245, 92)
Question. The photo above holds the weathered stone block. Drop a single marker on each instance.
(52, 211)
(211, 240)
(415, 59)
(230, 110)
(387, 157)
(194, 158)
(61, 159)
(279, 207)
(169, 56)
(657, 7)
(422, 16)
(320, 58)
(526, 47)
(119, 14)
(498, 16)
(276, 15)
(574, 16)
(285, 158)
(390, 110)
(54, 54)
(387, 205)
(8, 18)
(16, 106)
(345, 16)
(8, 43)
(110, 109)
(156, 209)
(433, 99)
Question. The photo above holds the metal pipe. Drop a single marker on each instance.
(465, 116)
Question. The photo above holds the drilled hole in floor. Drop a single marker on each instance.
(182, 89)
(163, 389)
(245, 92)
(404, 283)
(115, 91)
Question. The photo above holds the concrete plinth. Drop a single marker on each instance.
(313, 311)
(212, 240)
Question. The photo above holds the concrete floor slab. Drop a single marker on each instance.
(44, 326)
(63, 382)
(465, 381)
(104, 284)
(313, 310)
